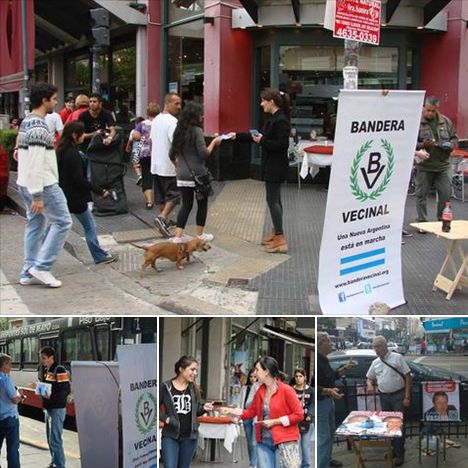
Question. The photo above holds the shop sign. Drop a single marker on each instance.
(139, 406)
(358, 20)
(360, 252)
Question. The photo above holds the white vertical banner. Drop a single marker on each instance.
(360, 253)
(139, 408)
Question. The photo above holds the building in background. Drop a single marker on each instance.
(227, 348)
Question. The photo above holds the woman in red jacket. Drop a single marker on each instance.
(278, 412)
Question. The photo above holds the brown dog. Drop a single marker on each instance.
(171, 251)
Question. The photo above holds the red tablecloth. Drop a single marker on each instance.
(459, 153)
(319, 149)
(215, 419)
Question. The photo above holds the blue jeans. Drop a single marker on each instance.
(9, 430)
(251, 441)
(267, 453)
(54, 428)
(177, 453)
(89, 225)
(306, 447)
(325, 431)
(42, 249)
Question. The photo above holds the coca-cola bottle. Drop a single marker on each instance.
(447, 217)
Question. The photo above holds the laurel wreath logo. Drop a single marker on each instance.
(355, 188)
(151, 424)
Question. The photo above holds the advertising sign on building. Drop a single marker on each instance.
(360, 253)
(441, 401)
(139, 408)
(365, 328)
(358, 20)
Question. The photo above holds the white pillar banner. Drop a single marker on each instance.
(360, 253)
(139, 407)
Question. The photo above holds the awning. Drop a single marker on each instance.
(289, 336)
(445, 325)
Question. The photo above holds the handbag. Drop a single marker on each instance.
(203, 187)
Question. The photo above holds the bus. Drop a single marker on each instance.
(92, 338)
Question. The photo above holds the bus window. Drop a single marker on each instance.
(77, 346)
(102, 343)
(30, 352)
(14, 350)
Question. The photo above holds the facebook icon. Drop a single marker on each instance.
(342, 297)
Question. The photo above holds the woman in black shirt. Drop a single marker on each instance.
(77, 189)
(180, 405)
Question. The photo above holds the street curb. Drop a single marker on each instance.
(45, 447)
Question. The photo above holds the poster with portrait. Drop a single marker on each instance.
(441, 401)
(372, 423)
(367, 401)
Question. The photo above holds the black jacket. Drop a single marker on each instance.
(275, 143)
(58, 377)
(167, 410)
(72, 180)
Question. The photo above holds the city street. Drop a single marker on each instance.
(234, 278)
(453, 362)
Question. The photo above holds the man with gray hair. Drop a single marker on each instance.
(390, 376)
(327, 393)
(9, 418)
(437, 136)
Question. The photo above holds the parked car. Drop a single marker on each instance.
(357, 376)
(402, 348)
(364, 345)
(392, 346)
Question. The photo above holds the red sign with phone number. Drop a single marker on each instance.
(358, 20)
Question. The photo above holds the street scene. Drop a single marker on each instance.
(218, 372)
(317, 174)
(70, 392)
(392, 390)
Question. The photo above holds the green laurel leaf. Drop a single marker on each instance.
(152, 424)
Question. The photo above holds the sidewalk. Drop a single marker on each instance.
(234, 277)
(34, 451)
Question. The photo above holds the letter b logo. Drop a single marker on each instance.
(373, 167)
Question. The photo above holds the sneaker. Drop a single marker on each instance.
(139, 180)
(108, 259)
(45, 277)
(162, 227)
(171, 223)
(421, 231)
(206, 237)
(28, 280)
(406, 233)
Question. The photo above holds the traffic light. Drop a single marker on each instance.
(100, 28)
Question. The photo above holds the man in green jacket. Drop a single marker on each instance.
(437, 136)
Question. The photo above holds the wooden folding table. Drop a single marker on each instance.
(455, 255)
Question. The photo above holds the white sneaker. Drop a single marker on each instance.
(28, 280)
(206, 237)
(45, 277)
(180, 240)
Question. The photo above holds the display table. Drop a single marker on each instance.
(386, 426)
(312, 160)
(455, 254)
(221, 428)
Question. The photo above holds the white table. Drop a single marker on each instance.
(227, 432)
(311, 163)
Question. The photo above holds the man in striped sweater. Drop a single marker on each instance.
(38, 186)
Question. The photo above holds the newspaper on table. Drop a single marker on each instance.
(372, 423)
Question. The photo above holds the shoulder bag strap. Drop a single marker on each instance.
(393, 368)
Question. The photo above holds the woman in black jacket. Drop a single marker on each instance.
(274, 140)
(77, 189)
(179, 407)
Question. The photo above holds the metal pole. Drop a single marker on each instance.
(96, 78)
(24, 36)
(350, 69)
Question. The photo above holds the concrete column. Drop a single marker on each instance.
(153, 51)
(228, 71)
(56, 77)
(172, 346)
(217, 359)
(141, 72)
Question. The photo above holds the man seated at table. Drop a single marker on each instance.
(392, 377)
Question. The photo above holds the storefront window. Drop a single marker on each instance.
(77, 75)
(41, 73)
(185, 60)
(312, 75)
(122, 88)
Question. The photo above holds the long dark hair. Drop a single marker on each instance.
(66, 139)
(190, 117)
(270, 364)
(183, 363)
(280, 98)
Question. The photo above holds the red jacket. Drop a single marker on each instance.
(283, 404)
